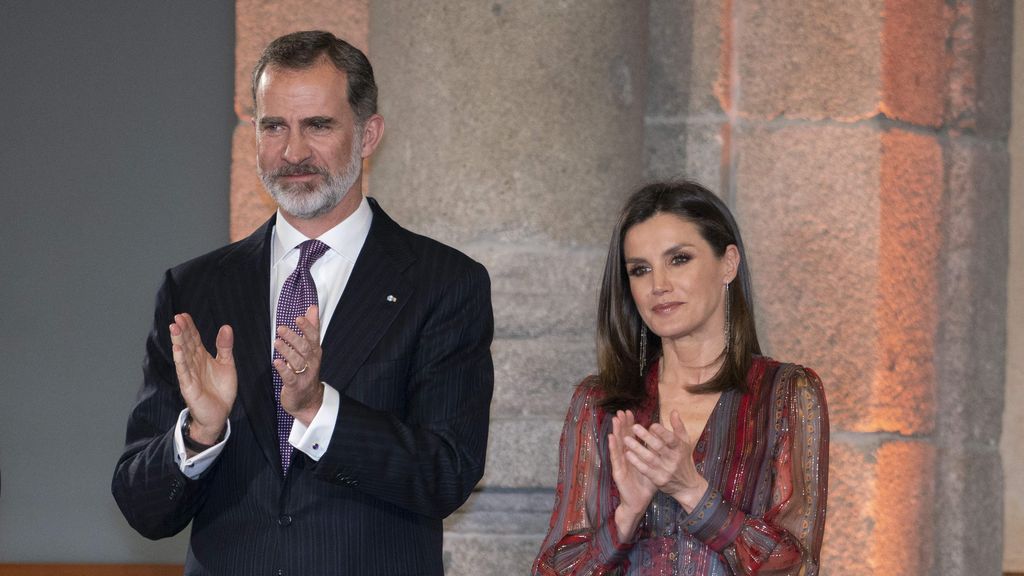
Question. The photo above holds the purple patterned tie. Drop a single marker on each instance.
(297, 294)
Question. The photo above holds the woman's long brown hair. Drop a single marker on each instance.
(618, 321)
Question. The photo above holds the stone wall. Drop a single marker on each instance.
(863, 147)
(516, 130)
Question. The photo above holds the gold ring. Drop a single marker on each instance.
(304, 368)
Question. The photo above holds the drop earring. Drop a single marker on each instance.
(728, 322)
(643, 348)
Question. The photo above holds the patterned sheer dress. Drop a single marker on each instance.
(764, 453)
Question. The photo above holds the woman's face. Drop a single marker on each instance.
(677, 281)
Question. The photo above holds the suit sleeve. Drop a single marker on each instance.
(428, 461)
(156, 498)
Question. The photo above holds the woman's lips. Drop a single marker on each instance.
(666, 307)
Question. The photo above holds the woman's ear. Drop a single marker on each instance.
(731, 259)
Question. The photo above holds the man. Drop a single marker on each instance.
(337, 445)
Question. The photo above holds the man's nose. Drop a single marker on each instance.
(297, 151)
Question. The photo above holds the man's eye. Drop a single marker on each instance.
(271, 128)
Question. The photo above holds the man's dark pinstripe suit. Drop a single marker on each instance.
(415, 376)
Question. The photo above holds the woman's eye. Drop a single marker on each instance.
(638, 270)
(680, 259)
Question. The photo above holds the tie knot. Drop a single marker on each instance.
(310, 251)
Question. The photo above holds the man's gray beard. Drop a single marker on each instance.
(307, 201)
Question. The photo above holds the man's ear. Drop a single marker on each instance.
(373, 131)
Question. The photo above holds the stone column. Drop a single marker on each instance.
(863, 147)
(513, 132)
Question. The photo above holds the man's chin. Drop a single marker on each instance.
(304, 206)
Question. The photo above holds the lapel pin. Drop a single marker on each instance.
(391, 298)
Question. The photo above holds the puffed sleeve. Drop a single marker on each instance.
(582, 538)
(787, 539)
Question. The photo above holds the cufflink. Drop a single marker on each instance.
(391, 298)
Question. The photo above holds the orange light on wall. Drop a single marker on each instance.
(909, 242)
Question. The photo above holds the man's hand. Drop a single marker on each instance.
(301, 392)
(208, 385)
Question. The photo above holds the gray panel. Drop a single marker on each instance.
(114, 159)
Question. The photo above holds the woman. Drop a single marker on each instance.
(689, 452)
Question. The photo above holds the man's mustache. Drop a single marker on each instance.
(299, 170)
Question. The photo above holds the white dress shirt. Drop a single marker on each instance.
(330, 274)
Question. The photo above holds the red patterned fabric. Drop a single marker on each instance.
(764, 454)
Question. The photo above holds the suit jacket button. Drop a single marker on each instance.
(284, 520)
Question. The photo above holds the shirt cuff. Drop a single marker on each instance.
(194, 467)
(614, 552)
(714, 521)
(314, 439)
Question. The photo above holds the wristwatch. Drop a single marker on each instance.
(191, 444)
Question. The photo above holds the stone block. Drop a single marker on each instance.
(971, 345)
(250, 203)
(979, 176)
(524, 512)
(971, 339)
(489, 554)
(497, 532)
(841, 231)
(910, 242)
(807, 202)
(904, 496)
(969, 510)
(848, 520)
(541, 289)
(814, 59)
(509, 121)
(915, 61)
(695, 150)
(536, 377)
(880, 508)
(980, 72)
(522, 453)
(687, 59)
(257, 22)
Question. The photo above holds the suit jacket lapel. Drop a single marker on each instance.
(243, 294)
(375, 293)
